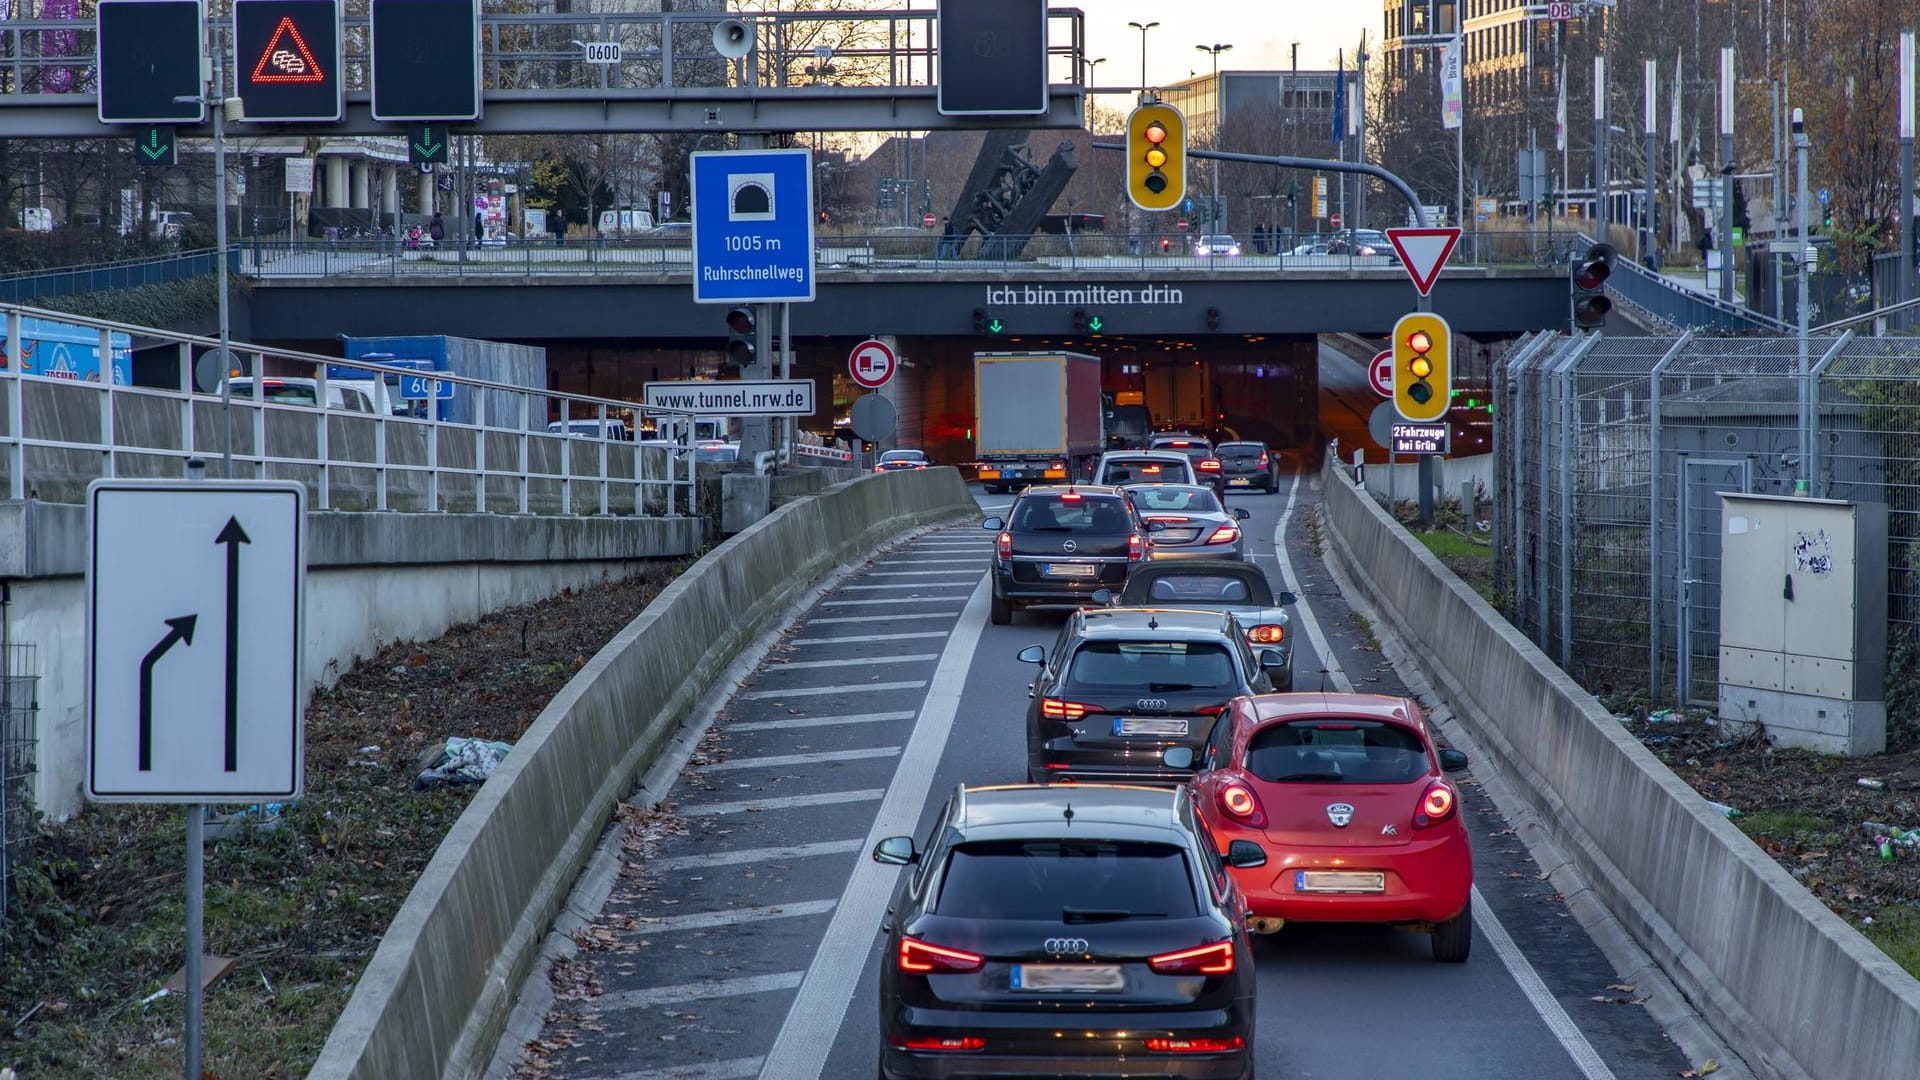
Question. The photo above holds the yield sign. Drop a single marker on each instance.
(1423, 252)
(286, 59)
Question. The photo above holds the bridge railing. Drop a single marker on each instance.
(342, 427)
(125, 274)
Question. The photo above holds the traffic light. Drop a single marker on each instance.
(742, 345)
(1079, 321)
(1156, 157)
(1590, 274)
(1213, 318)
(979, 320)
(1422, 366)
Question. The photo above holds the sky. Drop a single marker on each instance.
(1260, 31)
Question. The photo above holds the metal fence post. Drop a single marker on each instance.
(566, 455)
(380, 459)
(1542, 564)
(433, 447)
(1654, 526)
(606, 477)
(526, 435)
(1817, 486)
(105, 345)
(480, 453)
(321, 443)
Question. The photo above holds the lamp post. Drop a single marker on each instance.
(1219, 121)
(216, 99)
(1143, 28)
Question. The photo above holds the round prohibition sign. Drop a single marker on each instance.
(1380, 373)
(872, 363)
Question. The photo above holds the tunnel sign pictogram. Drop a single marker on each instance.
(287, 59)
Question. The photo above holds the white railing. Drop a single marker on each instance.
(62, 433)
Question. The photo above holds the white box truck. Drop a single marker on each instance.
(1038, 417)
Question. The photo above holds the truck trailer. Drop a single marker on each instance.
(1038, 417)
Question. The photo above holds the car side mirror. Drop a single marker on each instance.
(896, 851)
(1033, 654)
(1178, 757)
(994, 524)
(1103, 597)
(1288, 598)
(1240, 513)
(1245, 855)
(1272, 658)
(1452, 760)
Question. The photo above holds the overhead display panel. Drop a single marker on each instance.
(426, 59)
(287, 59)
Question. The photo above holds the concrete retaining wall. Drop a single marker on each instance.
(371, 579)
(1796, 990)
(436, 994)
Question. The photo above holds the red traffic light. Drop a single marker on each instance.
(1156, 133)
(1419, 341)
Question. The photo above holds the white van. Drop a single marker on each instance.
(625, 222)
(351, 397)
(612, 430)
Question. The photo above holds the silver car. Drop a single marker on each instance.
(1187, 521)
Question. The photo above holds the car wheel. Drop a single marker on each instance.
(1002, 611)
(1454, 938)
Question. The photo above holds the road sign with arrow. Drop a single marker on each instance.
(427, 143)
(195, 609)
(155, 146)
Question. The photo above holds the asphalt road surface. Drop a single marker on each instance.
(743, 941)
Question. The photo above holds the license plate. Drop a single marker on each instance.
(1055, 569)
(1056, 977)
(1240, 481)
(1132, 725)
(1339, 881)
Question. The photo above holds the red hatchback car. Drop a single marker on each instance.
(1347, 795)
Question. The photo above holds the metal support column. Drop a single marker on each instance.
(1651, 240)
(1817, 486)
(1654, 467)
(1905, 289)
(1725, 240)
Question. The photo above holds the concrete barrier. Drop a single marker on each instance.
(437, 992)
(1781, 978)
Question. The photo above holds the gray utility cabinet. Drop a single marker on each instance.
(1803, 620)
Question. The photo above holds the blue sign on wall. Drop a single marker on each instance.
(753, 226)
(422, 387)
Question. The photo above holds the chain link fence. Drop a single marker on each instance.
(1613, 452)
(19, 712)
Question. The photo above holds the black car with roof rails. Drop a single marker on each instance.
(1083, 931)
(1121, 686)
(1248, 464)
(1060, 544)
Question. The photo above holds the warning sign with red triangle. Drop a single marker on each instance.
(1423, 252)
(286, 59)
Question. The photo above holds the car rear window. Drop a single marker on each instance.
(1197, 500)
(1099, 516)
(1044, 879)
(281, 394)
(1141, 470)
(1151, 666)
(1201, 588)
(1241, 451)
(1337, 751)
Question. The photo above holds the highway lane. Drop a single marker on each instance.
(743, 941)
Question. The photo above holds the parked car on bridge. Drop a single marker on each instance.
(1216, 245)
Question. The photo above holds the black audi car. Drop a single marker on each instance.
(1060, 544)
(1124, 685)
(1085, 931)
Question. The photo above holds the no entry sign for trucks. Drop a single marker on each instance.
(872, 364)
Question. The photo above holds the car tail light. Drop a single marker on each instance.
(1214, 959)
(1242, 805)
(920, 958)
(1210, 710)
(1196, 1046)
(1266, 635)
(879, 468)
(1264, 461)
(1170, 518)
(938, 1042)
(1437, 804)
(1136, 548)
(1072, 496)
(1060, 709)
(1225, 534)
(1210, 465)
(1003, 546)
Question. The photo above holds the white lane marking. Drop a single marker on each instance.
(819, 721)
(975, 561)
(731, 1069)
(818, 1010)
(697, 991)
(861, 639)
(884, 618)
(895, 600)
(858, 661)
(755, 856)
(816, 691)
(925, 573)
(909, 585)
(784, 802)
(1592, 1066)
(774, 761)
(708, 920)
(996, 506)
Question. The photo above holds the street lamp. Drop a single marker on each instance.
(1143, 28)
(1219, 122)
(1092, 65)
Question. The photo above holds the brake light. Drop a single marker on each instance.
(1266, 635)
(920, 957)
(1060, 709)
(1241, 804)
(1264, 461)
(1437, 804)
(1214, 959)
(1210, 465)
(1210, 710)
(1168, 517)
(1072, 496)
(1151, 470)
(1003, 546)
(879, 468)
(1136, 548)
(1196, 1046)
(1225, 534)
(949, 1042)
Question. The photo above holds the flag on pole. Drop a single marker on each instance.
(1340, 98)
(1560, 114)
(1451, 108)
(1673, 135)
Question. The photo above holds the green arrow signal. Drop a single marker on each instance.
(995, 326)
(153, 149)
(427, 147)
(1095, 324)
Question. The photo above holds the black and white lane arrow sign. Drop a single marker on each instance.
(179, 629)
(233, 536)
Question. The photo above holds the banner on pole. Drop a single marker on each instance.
(1452, 109)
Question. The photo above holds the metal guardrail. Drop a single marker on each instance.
(60, 434)
(124, 274)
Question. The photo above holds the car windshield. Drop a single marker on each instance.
(283, 394)
(1194, 500)
(1154, 666)
(1337, 751)
(1067, 881)
(1241, 451)
(1203, 589)
(1137, 470)
(1071, 515)
(903, 455)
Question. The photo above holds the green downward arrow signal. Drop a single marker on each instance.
(427, 147)
(1095, 324)
(153, 149)
(995, 326)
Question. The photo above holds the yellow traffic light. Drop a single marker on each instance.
(1422, 366)
(1156, 157)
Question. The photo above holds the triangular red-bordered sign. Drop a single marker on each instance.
(1423, 252)
(292, 67)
